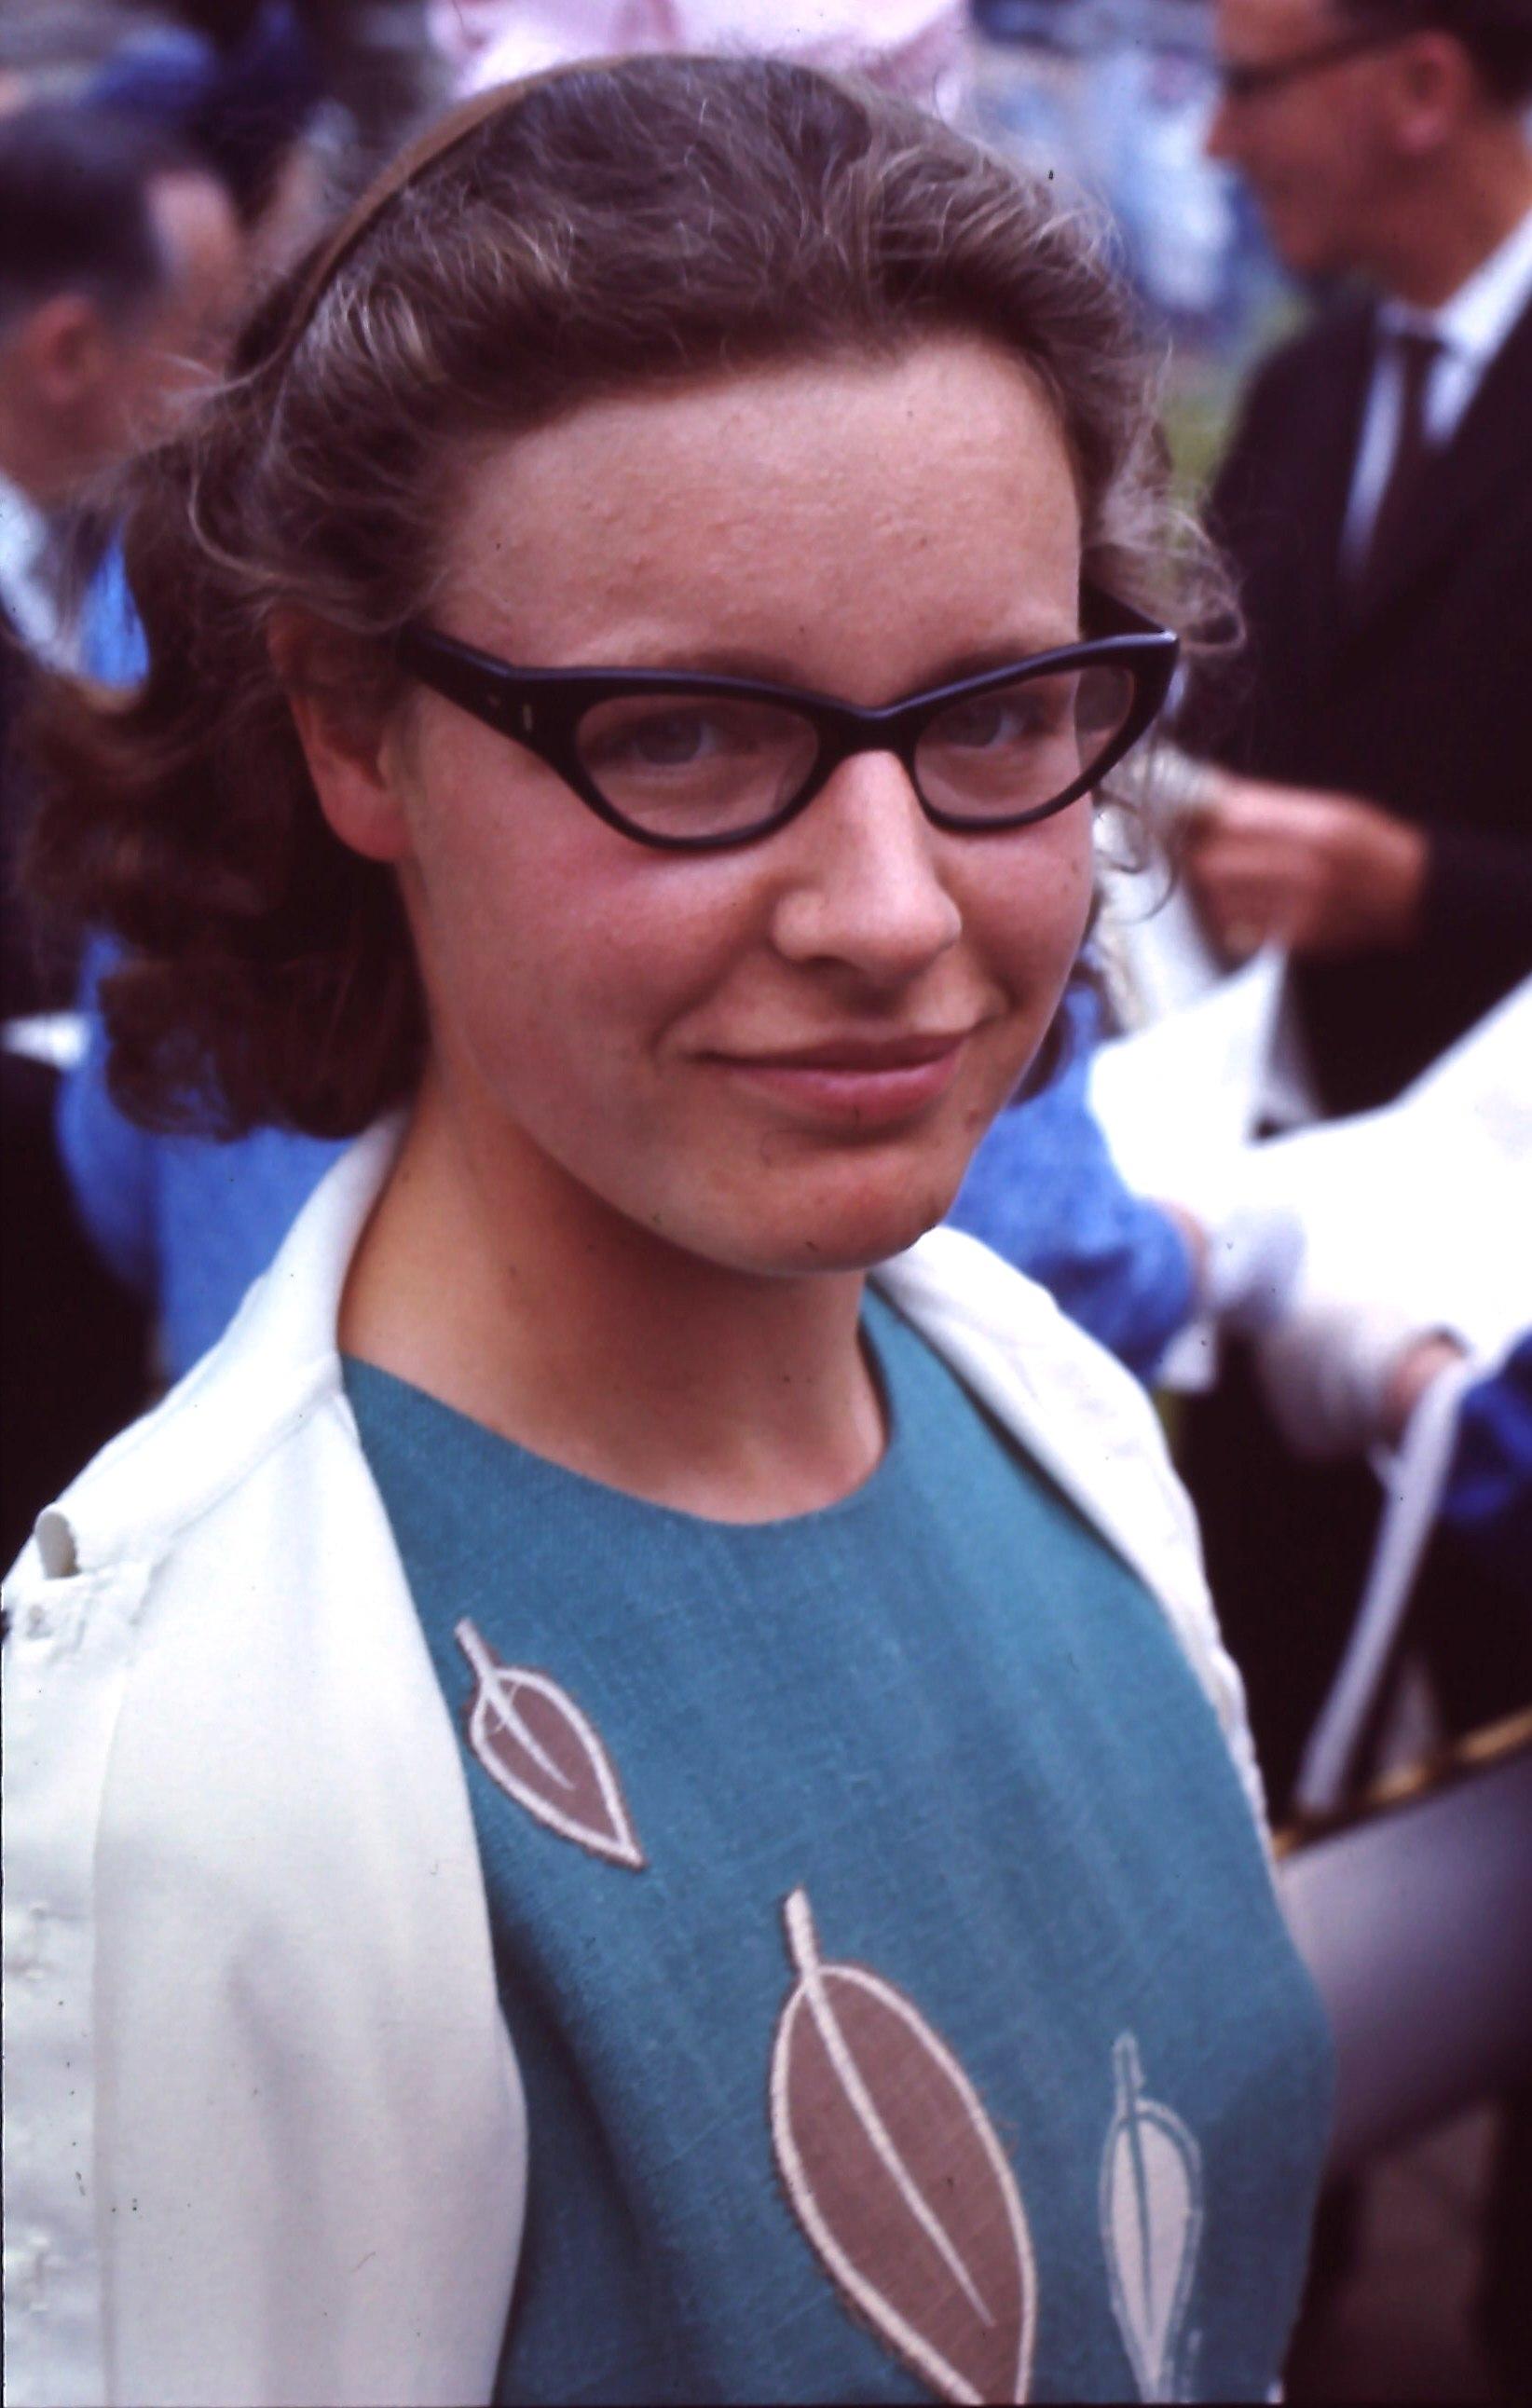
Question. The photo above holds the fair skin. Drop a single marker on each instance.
(80, 387)
(677, 1105)
(1393, 164)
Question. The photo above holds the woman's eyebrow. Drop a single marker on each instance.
(978, 660)
(770, 669)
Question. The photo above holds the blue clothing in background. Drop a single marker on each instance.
(1044, 1192)
(111, 640)
(186, 1222)
(791, 1831)
(1488, 1497)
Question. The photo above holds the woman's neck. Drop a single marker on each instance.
(488, 1278)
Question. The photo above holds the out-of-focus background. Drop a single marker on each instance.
(1342, 1267)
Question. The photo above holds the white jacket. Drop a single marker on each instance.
(265, 2135)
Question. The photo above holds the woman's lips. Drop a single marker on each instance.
(854, 1085)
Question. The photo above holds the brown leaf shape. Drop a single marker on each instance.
(894, 2171)
(532, 1739)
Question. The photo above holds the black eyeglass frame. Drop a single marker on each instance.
(1252, 79)
(541, 709)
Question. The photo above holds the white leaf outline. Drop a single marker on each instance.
(1151, 2356)
(882, 2313)
(499, 1687)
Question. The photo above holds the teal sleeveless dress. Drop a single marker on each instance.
(899, 1989)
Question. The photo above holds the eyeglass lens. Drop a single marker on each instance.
(696, 766)
(679, 766)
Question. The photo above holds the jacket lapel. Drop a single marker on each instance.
(1335, 430)
(1491, 446)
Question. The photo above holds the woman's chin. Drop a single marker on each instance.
(848, 1234)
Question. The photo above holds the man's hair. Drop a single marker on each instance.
(75, 211)
(614, 229)
(1495, 34)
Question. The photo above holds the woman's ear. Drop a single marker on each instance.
(345, 735)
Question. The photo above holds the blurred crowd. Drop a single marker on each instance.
(1319, 1251)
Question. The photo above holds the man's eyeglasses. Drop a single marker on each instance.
(695, 762)
(1248, 80)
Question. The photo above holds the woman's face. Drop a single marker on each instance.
(779, 1058)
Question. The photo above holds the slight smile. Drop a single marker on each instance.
(856, 1082)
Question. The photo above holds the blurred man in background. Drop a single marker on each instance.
(1373, 805)
(1377, 503)
(119, 265)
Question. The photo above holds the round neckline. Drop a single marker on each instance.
(547, 1466)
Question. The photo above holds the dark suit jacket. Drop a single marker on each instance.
(19, 984)
(37, 961)
(1421, 703)
(72, 1369)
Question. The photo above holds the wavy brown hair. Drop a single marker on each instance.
(658, 217)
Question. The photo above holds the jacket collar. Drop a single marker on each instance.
(1460, 485)
(224, 1423)
(1342, 371)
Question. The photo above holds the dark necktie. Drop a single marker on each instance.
(1416, 355)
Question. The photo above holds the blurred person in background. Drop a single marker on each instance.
(184, 1225)
(1376, 501)
(374, 61)
(241, 87)
(49, 48)
(1369, 802)
(118, 261)
(120, 270)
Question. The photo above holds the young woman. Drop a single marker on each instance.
(604, 1808)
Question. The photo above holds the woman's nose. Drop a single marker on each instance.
(864, 883)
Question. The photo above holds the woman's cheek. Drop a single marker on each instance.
(1035, 917)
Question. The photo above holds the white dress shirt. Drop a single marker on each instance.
(26, 594)
(1470, 328)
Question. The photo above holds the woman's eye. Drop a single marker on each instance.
(669, 740)
(676, 739)
(982, 725)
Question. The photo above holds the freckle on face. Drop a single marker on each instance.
(851, 526)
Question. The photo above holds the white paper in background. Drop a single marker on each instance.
(1179, 1099)
(1426, 1204)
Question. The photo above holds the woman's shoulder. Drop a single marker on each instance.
(1070, 1400)
(974, 1305)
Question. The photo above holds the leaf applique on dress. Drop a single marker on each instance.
(895, 2172)
(1150, 2223)
(533, 1740)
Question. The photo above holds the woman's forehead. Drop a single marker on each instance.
(874, 488)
